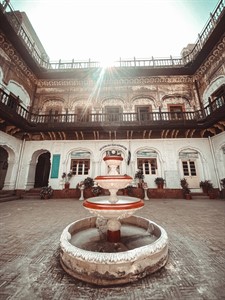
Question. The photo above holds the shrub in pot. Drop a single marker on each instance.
(140, 176)
(46, 192)
(66, 177)
(185, 187)
(222, 182)
(206, 186)
(159, 181)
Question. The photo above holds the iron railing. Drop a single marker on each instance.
(11, 106)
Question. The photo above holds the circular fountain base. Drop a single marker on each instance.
(86, 254)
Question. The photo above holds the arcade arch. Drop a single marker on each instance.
(39, 169)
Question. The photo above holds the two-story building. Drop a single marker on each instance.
(165, 116)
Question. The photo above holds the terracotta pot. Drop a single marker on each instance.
(160, 185)
(88, 193)
(138, 192)
(188, 196)
(67, 185)
(212, 195)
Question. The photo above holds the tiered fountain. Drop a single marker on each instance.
(113, 247)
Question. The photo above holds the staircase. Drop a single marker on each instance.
(199, 195)
(8, 195)
(32, 194)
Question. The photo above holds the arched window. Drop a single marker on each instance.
(80, 162)
(147, 162)
(82, 113)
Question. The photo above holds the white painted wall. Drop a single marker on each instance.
(13, 146)
(218, 147)
(23, 157)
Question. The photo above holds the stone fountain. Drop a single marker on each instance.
(113, 247)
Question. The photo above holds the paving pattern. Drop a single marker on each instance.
(29, 253)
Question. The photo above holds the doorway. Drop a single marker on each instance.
(42, 170)
(190, 173)
(3, 166)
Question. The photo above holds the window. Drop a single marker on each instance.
(176, 111)
(53, 110)
(113, 113)
(82, 114)
(147, 165)
(189, 168)
(143, 113)
(80, 166)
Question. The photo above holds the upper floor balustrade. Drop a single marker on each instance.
(171, 62)
(12, 111)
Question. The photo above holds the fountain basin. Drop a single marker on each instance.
(113, 182)
(113, 268)
(123, 208)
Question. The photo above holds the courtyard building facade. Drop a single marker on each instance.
(165, 117)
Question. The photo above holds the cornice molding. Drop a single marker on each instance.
(125, 81)
(213, 61)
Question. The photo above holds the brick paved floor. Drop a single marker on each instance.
(29, 253)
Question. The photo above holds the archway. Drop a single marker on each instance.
(3, 166)
(190, 166)
(42, 170)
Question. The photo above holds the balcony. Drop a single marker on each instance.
(13, 114)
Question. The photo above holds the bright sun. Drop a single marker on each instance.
(107, 62)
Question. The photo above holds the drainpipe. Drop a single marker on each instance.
(199, 98)
(214, 163)
(20, 162)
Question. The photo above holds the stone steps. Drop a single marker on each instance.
(8, 196)
(199, 196)
(32, 194)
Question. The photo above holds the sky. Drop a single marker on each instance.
(107, 30)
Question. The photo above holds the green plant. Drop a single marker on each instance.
(96, 190)
(67, 176)
(88, 182)
(222, 182)
(129, 189)
(206, 186)
(159, 180)
(184, 184)
(139, 174)
(46, 192)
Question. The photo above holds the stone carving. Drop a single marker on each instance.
(17, 60)
(213, 61)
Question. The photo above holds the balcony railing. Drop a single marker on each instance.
(171, 62)
(12, 110)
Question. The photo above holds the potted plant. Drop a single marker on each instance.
(88, 182)
(128, 190)
(222, 182)
(140, 176)
(46, 192)
(96, 189)
(66, 177)
(88, 185)
(186, 191)
(159, 181)
(206, 186)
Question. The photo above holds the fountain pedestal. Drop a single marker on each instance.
(113, 232)
(113, 213)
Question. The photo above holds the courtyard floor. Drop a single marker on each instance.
(29, 253)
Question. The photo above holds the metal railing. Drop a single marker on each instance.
(10, 105)
(40, 58)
